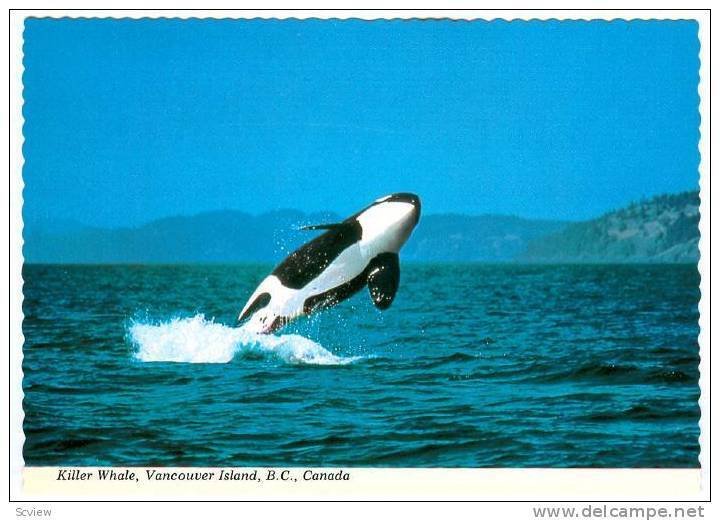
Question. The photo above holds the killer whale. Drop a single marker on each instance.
(360, 251)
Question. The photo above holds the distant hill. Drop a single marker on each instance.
(223, 236)
(233, 236)
(662, 229)
(487, 238)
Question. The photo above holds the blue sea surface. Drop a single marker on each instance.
(473, 366)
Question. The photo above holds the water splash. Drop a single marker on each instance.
(197, 340)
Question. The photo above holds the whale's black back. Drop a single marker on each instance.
(309, 261)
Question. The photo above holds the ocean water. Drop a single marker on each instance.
(472, 366)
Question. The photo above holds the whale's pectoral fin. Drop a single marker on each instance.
(384, 279)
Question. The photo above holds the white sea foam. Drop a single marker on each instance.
(197, 340)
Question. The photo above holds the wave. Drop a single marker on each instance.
(197, 340)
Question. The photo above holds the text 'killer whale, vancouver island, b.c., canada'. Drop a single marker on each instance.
(361, 250)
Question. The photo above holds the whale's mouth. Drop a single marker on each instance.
(400, 197)
(406, 197)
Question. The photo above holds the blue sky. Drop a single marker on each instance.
(128, 121)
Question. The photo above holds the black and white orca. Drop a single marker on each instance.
(361, 250)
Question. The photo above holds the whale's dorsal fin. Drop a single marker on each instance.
(329, 226)
(384, 279)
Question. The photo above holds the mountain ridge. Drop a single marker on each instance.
(664, 228)
(661, 229)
